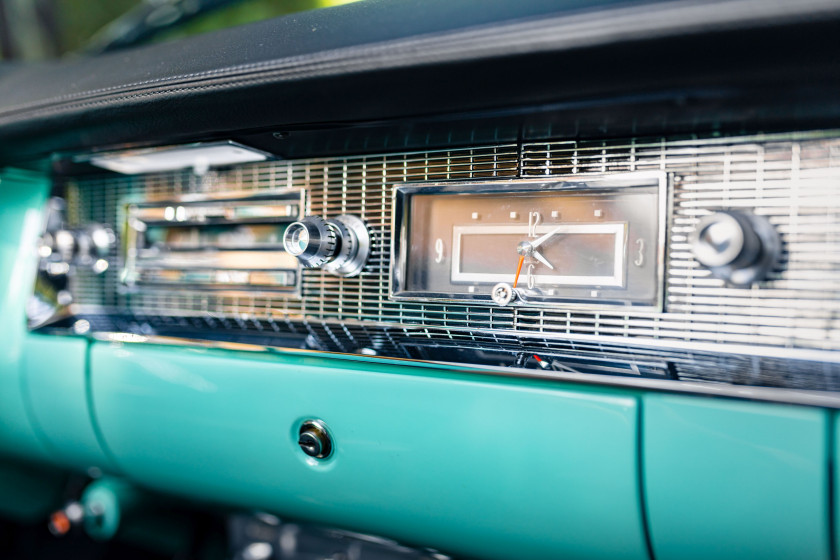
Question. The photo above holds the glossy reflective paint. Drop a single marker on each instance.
(835, 465)
(491, 467)
(56, 385)
(22, 196)
(727, 479)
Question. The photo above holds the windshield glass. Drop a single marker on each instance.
(40, 29)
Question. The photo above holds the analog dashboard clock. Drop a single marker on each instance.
(587, 242)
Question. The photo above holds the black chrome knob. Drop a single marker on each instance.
(340, 245)
(738, 247)
(314, 439)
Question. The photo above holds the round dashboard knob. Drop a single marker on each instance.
(340, 245)
(737, 247)
(725, 239)
(312, 240)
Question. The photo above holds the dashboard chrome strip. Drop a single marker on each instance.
(764, 394)
(657, 344)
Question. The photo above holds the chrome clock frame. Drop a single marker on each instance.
(576, 183)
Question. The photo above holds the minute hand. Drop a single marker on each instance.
(536, 243)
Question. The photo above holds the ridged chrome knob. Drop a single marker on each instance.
(312, 240)
(340, 245)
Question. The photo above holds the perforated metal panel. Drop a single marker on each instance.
(793, 180)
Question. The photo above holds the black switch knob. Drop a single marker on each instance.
(738, 247)
(314, 439)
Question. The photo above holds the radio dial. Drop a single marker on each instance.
(339, 245)
(312, 240)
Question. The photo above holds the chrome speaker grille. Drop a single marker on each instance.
(792, 180)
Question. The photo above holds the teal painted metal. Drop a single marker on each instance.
(22, 196)
(55, 383)
(491, 467)
(727, 479)
(835, 452)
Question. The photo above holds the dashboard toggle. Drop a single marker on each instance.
(339, 245)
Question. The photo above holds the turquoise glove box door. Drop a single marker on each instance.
(56, 387)
(733, 480)
(489, 466)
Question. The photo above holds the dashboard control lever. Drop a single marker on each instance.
(340, 245)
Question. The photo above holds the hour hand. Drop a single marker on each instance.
(542, 259)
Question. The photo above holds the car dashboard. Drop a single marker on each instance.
(393, 280)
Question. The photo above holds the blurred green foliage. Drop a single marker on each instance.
(47, 28)
(246, 12)
(78, 20)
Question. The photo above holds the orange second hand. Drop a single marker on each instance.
(518, 270)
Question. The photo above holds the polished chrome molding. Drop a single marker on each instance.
(764, 394)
